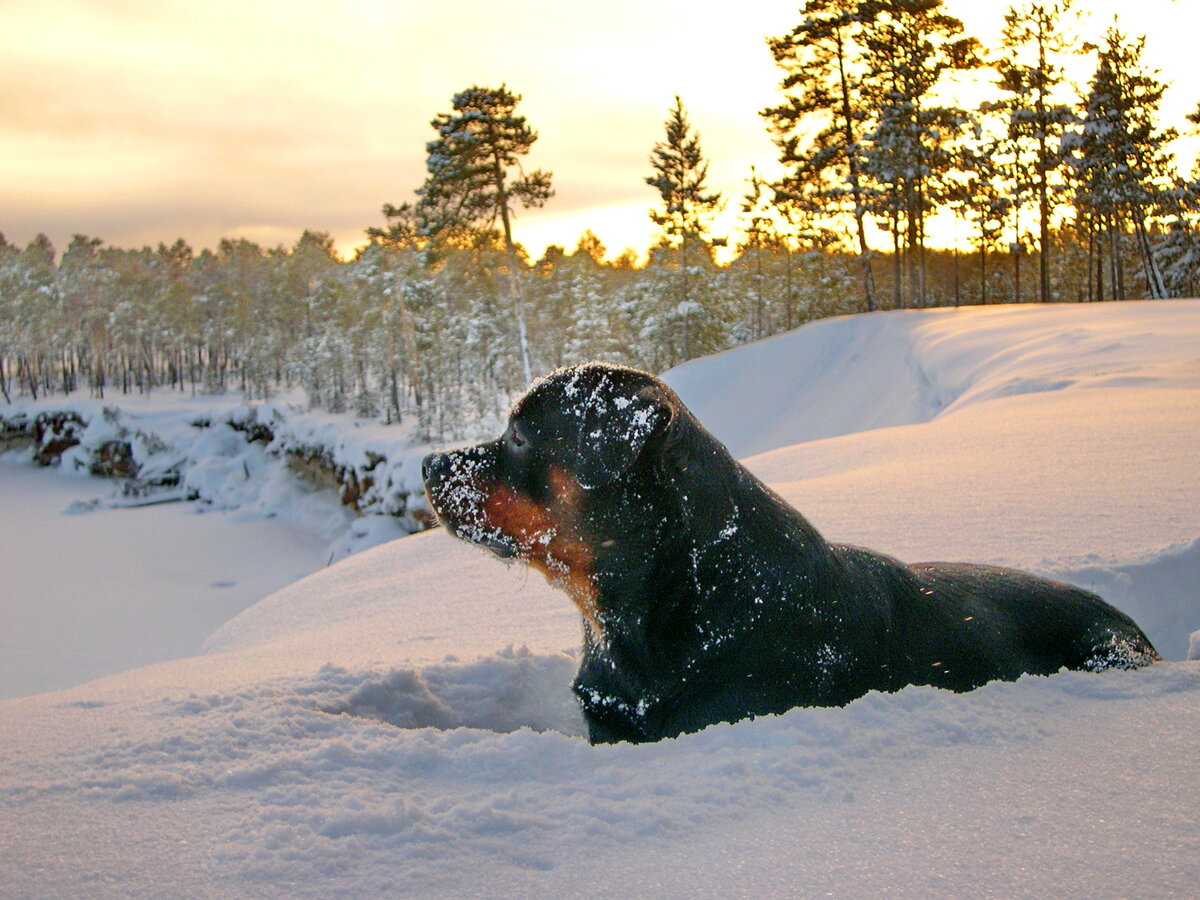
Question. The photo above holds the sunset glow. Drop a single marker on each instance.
(143, 122)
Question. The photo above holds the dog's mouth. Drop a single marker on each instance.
(489, 538)
(470, 526)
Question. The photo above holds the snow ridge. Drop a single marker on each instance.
(881, 370)
(324, 781)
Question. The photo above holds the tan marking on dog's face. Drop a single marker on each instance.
(549, 539)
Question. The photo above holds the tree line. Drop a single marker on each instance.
(1057, 193)
(1080, 184)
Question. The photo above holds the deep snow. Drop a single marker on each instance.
(400, 723)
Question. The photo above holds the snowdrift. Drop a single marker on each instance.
(400, 723)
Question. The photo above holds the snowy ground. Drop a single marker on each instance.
(399, 723)
(98, 592)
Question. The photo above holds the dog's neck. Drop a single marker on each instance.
(688, 581)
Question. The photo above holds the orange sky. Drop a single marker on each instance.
(139, 122)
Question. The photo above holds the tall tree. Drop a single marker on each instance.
(687, 210)
(981, 199)
(1125, 170)
(823, 85)
(471, 184)
(1035, 36)
(83, 280)
(909, 45)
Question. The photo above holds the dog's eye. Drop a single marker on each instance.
(516, 438)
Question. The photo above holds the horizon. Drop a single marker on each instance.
(141, 125)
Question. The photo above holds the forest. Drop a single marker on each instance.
(1053, 192)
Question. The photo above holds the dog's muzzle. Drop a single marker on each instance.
(456, 494)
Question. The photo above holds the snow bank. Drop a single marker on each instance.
(400, 724)
(861, 373)
(356, 482)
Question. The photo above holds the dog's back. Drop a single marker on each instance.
(961, 625)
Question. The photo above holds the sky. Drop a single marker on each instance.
(140, 121)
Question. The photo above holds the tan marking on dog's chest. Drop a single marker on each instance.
(550, 540)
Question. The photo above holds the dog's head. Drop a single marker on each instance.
(552, 489)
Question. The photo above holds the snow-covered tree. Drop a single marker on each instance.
(908, 46)
(82, 278)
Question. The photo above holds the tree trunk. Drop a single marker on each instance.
(897, 266)
(514, 287)
(1154, 280)
(1091, 253)
(864, 251)
(957, 298)
(983, 286)
(1118, 264)
(1043, 166)
(1016, 253)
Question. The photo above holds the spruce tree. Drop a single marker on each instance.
(680, 172)
(687, 210)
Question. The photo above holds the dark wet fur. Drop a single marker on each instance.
(707, 598)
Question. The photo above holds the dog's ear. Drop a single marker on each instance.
(616, 426)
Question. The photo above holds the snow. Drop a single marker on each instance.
(400, 723)
(99, 592)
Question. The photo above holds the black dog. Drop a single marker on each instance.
(706, 598)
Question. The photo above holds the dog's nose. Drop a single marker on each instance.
(433, 467)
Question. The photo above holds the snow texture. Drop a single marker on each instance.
(400, 723)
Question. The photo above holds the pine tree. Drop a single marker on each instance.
(10, 287)
(579, 321)
(1124, 169)
(823, 85)
(40, 332)
(983, 200)
(82, 279)
(909, 45)
(470, 185)
(680, 173)
(1032, 40)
